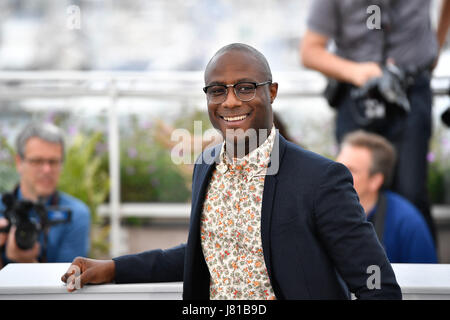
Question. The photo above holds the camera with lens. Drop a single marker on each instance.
(382, 98)
(445, 116)
(30, 226)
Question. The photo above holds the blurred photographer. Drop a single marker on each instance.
(379, 76)
(39, 223)
(400, 227)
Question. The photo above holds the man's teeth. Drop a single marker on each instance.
(235, 118)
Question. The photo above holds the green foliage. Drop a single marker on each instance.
(439, 167)
(85, 176)
(436, 183)
(188, 121)
(147, 172)
(85, 173)
(8, 175)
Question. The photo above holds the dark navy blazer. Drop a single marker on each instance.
(316, 240)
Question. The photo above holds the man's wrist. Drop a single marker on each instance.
(112, 270)
(5, 260)
(11, 257)
(353, 74)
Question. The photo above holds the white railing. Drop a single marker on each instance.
(42, 281)
(149, 210)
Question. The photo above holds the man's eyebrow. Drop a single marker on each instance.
(215, 83)
(237, 81)
(246, 80)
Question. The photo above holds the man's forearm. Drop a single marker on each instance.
(444, 23)
(315, 55)
(328, 64)
(151, 266)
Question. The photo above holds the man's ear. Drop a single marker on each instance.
(273, 91)
(376, 181)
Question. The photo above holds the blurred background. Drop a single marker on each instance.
(119, 76)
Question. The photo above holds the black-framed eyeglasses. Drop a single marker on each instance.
(40, 162)
(244, 91)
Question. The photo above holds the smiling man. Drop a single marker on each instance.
(245, 117)
(294, 230)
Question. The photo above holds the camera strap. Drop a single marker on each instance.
(54, 198)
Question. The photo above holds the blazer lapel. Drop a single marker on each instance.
(196, 274)
(270, 185)
(205, 165)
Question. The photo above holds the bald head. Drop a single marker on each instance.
(240, 47)
(234, 117)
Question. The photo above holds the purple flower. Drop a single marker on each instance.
(431, 157)
(151, 168)
(446, 146)
(132, 152)
(5, 130)
(146, 125)
(50, 117)
(4, 155)
(155, 182)
(100, 148)
(73, 130)
(445, 141)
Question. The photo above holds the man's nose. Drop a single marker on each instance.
(46, 166)
(231, 100)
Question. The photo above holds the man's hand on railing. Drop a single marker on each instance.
(83, 271)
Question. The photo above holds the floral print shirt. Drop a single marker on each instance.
(231, 226)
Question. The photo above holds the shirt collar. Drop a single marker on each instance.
(253, 163)
(47, 201)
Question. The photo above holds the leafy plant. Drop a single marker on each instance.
(147, 171)
(85, 176)
(436, 185)
(8, 175)
(439, 166)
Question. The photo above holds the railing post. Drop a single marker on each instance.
(117, 247)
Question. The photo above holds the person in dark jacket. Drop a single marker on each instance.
(269, 220)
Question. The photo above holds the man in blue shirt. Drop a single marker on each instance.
(40, 154)
(403, 232)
